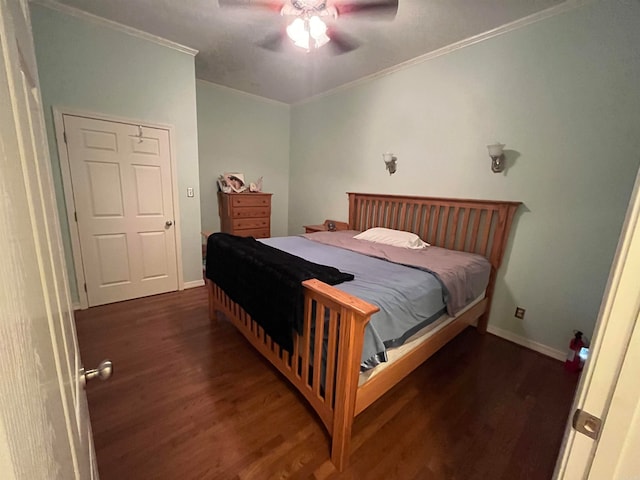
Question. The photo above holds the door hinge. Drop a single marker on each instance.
(85, 287)
(587, 424)
(75, 215)
(64, 135)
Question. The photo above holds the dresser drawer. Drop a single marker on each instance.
(245, 214)
(243, 223)
(254, 232)
(250, 200)
(251, 212)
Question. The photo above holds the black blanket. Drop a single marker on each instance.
(266, 282)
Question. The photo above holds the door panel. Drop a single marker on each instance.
(148, 145)
(617, 450)
(148, 188)
(99, 140)
(105, 189)
(121, 176)
(152, 245)
(114, 259)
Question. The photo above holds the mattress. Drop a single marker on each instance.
(414, 342)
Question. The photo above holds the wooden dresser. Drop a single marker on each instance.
(245, 214)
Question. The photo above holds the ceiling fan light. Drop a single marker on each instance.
(323, 40)
(302, 43)
(298, 32)
(318, 31)
(308, 32)
(296, 28)
(317, 27)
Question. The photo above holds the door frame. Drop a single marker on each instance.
(65, 167)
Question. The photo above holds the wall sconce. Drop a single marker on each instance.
(497, 157)
(390, 162)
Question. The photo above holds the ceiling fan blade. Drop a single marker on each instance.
(375, 9)
(341, 43)
(252, 4)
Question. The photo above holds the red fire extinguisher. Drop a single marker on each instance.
(573, 363)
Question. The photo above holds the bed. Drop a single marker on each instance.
(337, 391)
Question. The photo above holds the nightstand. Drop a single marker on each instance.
(324, 227)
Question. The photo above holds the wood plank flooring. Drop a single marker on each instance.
(190, 399)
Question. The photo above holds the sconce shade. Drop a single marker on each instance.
(496, 149)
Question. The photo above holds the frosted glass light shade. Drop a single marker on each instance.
(303, 30)
(496, 149)
(318, 30)
(299, 33)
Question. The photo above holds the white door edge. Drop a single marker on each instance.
(58, 121)
(612, 335)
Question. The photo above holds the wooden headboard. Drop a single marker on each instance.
(477, 226)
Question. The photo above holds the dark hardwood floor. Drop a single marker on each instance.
(190, 399)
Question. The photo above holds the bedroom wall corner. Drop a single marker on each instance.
(239, 132)
(94, 68)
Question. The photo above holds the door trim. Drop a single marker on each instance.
(65, 167)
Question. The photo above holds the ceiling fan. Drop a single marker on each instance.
(308, 29)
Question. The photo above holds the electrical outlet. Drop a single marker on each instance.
(189, 192)
(519, 312)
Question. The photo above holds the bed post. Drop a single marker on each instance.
(505, 218)
(350, 316)
(483, 321)
(352, 211)
(212, 303)
(349, 356)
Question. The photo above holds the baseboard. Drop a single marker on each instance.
(76, 306)
(525, 342)
(193, 284)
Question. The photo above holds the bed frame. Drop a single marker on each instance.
(478, 226)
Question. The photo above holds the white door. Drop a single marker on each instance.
(610, 385)
(44, 420)
(122, 190)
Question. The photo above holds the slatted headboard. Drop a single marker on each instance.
(478, 226)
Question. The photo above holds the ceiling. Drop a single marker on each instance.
(228, 39)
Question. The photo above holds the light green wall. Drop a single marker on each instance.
(238, 132)
(96, 69)
(563, 94)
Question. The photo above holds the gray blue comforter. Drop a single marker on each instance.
(409, 298)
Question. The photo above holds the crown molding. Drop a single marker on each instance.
(134, 32)
(242, 93)
(566, 6)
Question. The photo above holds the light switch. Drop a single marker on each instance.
(189, 191)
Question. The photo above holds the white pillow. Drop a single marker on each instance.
(395, 238)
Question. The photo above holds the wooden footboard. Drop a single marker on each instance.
(325, 362)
